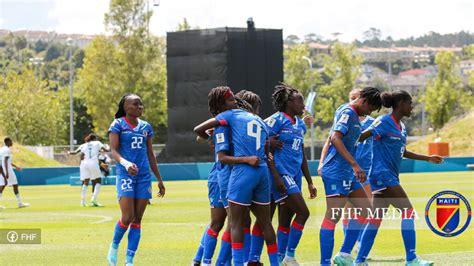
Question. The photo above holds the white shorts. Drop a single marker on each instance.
(90, 170)
(11, 178)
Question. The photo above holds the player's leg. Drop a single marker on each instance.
(358, 219)
(85, 184)
(247, 236)
(127, 209)
(134, 233)
(3, 183)
(225, 252)
(367, 238)
(237, 212)
(285, 216)
(336, 198)
(368, 191)
(399, 199)
(296, 203)
(12, 181)
(218, 215)
(96, 183)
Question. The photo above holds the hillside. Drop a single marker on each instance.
(458, 133)
(25, 158)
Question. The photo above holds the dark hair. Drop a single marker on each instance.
(243, 104)
(90, 137)
(373, 96)
(6, 139)
(393, 99)
(121, 111)
(250, 97)
(216, 99)
(282, 94)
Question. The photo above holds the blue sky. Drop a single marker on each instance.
(398, 18)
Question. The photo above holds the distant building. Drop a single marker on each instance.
(79, 40)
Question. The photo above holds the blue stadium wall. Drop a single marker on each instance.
(199, 171)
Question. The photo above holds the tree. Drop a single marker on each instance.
(82, 120)
(184, 25)
(130, 61)
(54, 51)
(30, 112)
(297, 71)
(312, 37)
(372, 34)
(443, 92)
(292, 40)
(341, 69)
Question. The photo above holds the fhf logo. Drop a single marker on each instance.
(449, 208)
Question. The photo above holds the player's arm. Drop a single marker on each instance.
(324, 152)
(114, 146)
(200, 129)
(365, 135)
(304, 167)
(224, 158)
(436, 159)
(76, 151)
(154, 167)
(274, 172)
(16, 167)
(336, 140)
(5, 166)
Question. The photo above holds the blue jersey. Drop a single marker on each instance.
(222, 142)
(291, 132)
(347, 122)
(213, 174)
(364, 149)
(133, 145)
(249, 133)
(389, 146)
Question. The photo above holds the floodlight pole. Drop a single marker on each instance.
(311, 132)
(71, 110)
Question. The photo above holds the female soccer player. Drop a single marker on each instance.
(131, 144)
(9, 177)
(219, 141)
(248, 183)
(389, 148)
(291, 164)
(342, 176)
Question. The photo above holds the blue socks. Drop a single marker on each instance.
(296, 232)
(272, 251)
(326, 241)
(256, 246)
(352, 233)
(282, 240)
(247, 244)
(200, 251)
(367, 239)
(409, 235)
(210, 241)
(119, 231)
(225, 253)
(238, 253)
(133, 239)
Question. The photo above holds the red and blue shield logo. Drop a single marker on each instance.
(447, 214)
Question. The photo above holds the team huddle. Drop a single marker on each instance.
(259, 166)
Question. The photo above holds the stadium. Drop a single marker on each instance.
(189, 145)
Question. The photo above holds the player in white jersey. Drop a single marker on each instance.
(89, 168)
(8, 176)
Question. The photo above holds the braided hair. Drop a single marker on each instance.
(373, 96)
(243, 104)
(282, 94)
(121, 110)
(393, 99)
(216, 99)
(250, 97)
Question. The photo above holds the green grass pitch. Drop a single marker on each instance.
(172, 227)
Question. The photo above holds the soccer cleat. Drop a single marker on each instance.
(84, 204)
(128, 264)
(112, 256)
(23, 204)
(254, 263)
(419, 262)
(2, 207)
(289, 261)
(195, 263)
(96, 204)
(343, 260)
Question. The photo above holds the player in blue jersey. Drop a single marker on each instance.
(389, 148)
(290, 163)
(248, 183)
(218, 140)
(131, 144)
(342, 176)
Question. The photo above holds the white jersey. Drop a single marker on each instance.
(91, 150)
(6, 152)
